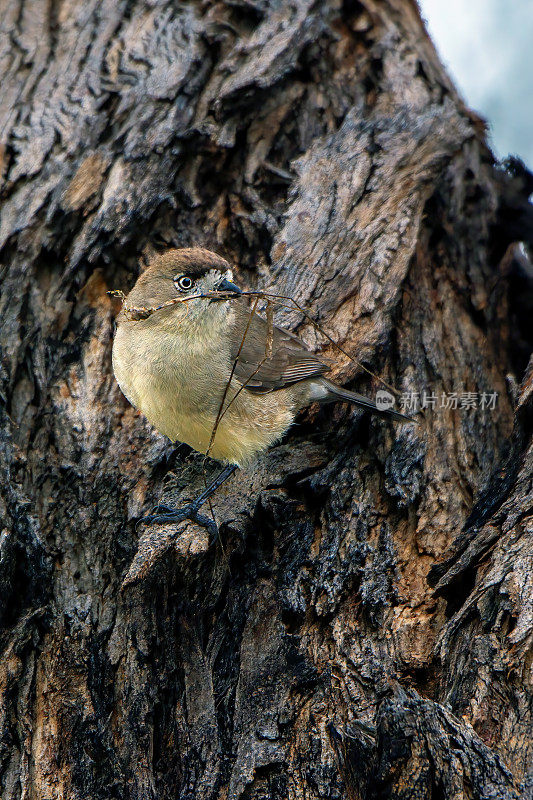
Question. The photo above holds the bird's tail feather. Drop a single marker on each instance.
(339, 393)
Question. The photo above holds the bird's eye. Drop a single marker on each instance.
(183, 283)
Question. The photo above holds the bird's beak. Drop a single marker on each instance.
(227, 286)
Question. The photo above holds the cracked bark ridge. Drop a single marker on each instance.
(363, 629)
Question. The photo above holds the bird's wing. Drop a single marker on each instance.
(289, 361)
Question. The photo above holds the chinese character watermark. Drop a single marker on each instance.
(413, 401)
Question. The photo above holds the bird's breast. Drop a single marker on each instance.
(180, 389)
(170, 382)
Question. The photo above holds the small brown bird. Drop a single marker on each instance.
(174, 364)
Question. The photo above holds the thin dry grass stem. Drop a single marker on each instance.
(270, 330)
(221, 410)
(228, 384)
(316, 326)
(142, 312)
(268, 354)
(137, 313)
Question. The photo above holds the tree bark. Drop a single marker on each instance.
(364, 626)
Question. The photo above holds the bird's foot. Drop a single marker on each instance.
(163, 515)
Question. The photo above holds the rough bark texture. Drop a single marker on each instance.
(364, 627)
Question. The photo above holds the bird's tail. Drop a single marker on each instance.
(339, 393)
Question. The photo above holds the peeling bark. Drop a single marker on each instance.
(364, 627)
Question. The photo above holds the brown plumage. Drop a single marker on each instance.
(175, 364)
(289, 362)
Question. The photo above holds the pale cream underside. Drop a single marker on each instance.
(179, 390)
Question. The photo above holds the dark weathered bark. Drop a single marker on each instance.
(364, 627)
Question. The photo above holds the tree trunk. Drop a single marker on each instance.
(364, 626)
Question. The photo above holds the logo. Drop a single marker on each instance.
(384, 400)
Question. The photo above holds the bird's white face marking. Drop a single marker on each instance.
(190, 285)
(203, 284)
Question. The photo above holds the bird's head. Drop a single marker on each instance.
(181, 274)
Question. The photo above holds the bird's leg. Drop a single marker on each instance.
(163, 514)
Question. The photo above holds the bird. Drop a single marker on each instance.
(186, 344)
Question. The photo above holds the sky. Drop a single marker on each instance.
(487, 47)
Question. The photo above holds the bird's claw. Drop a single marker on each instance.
(163, 515)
